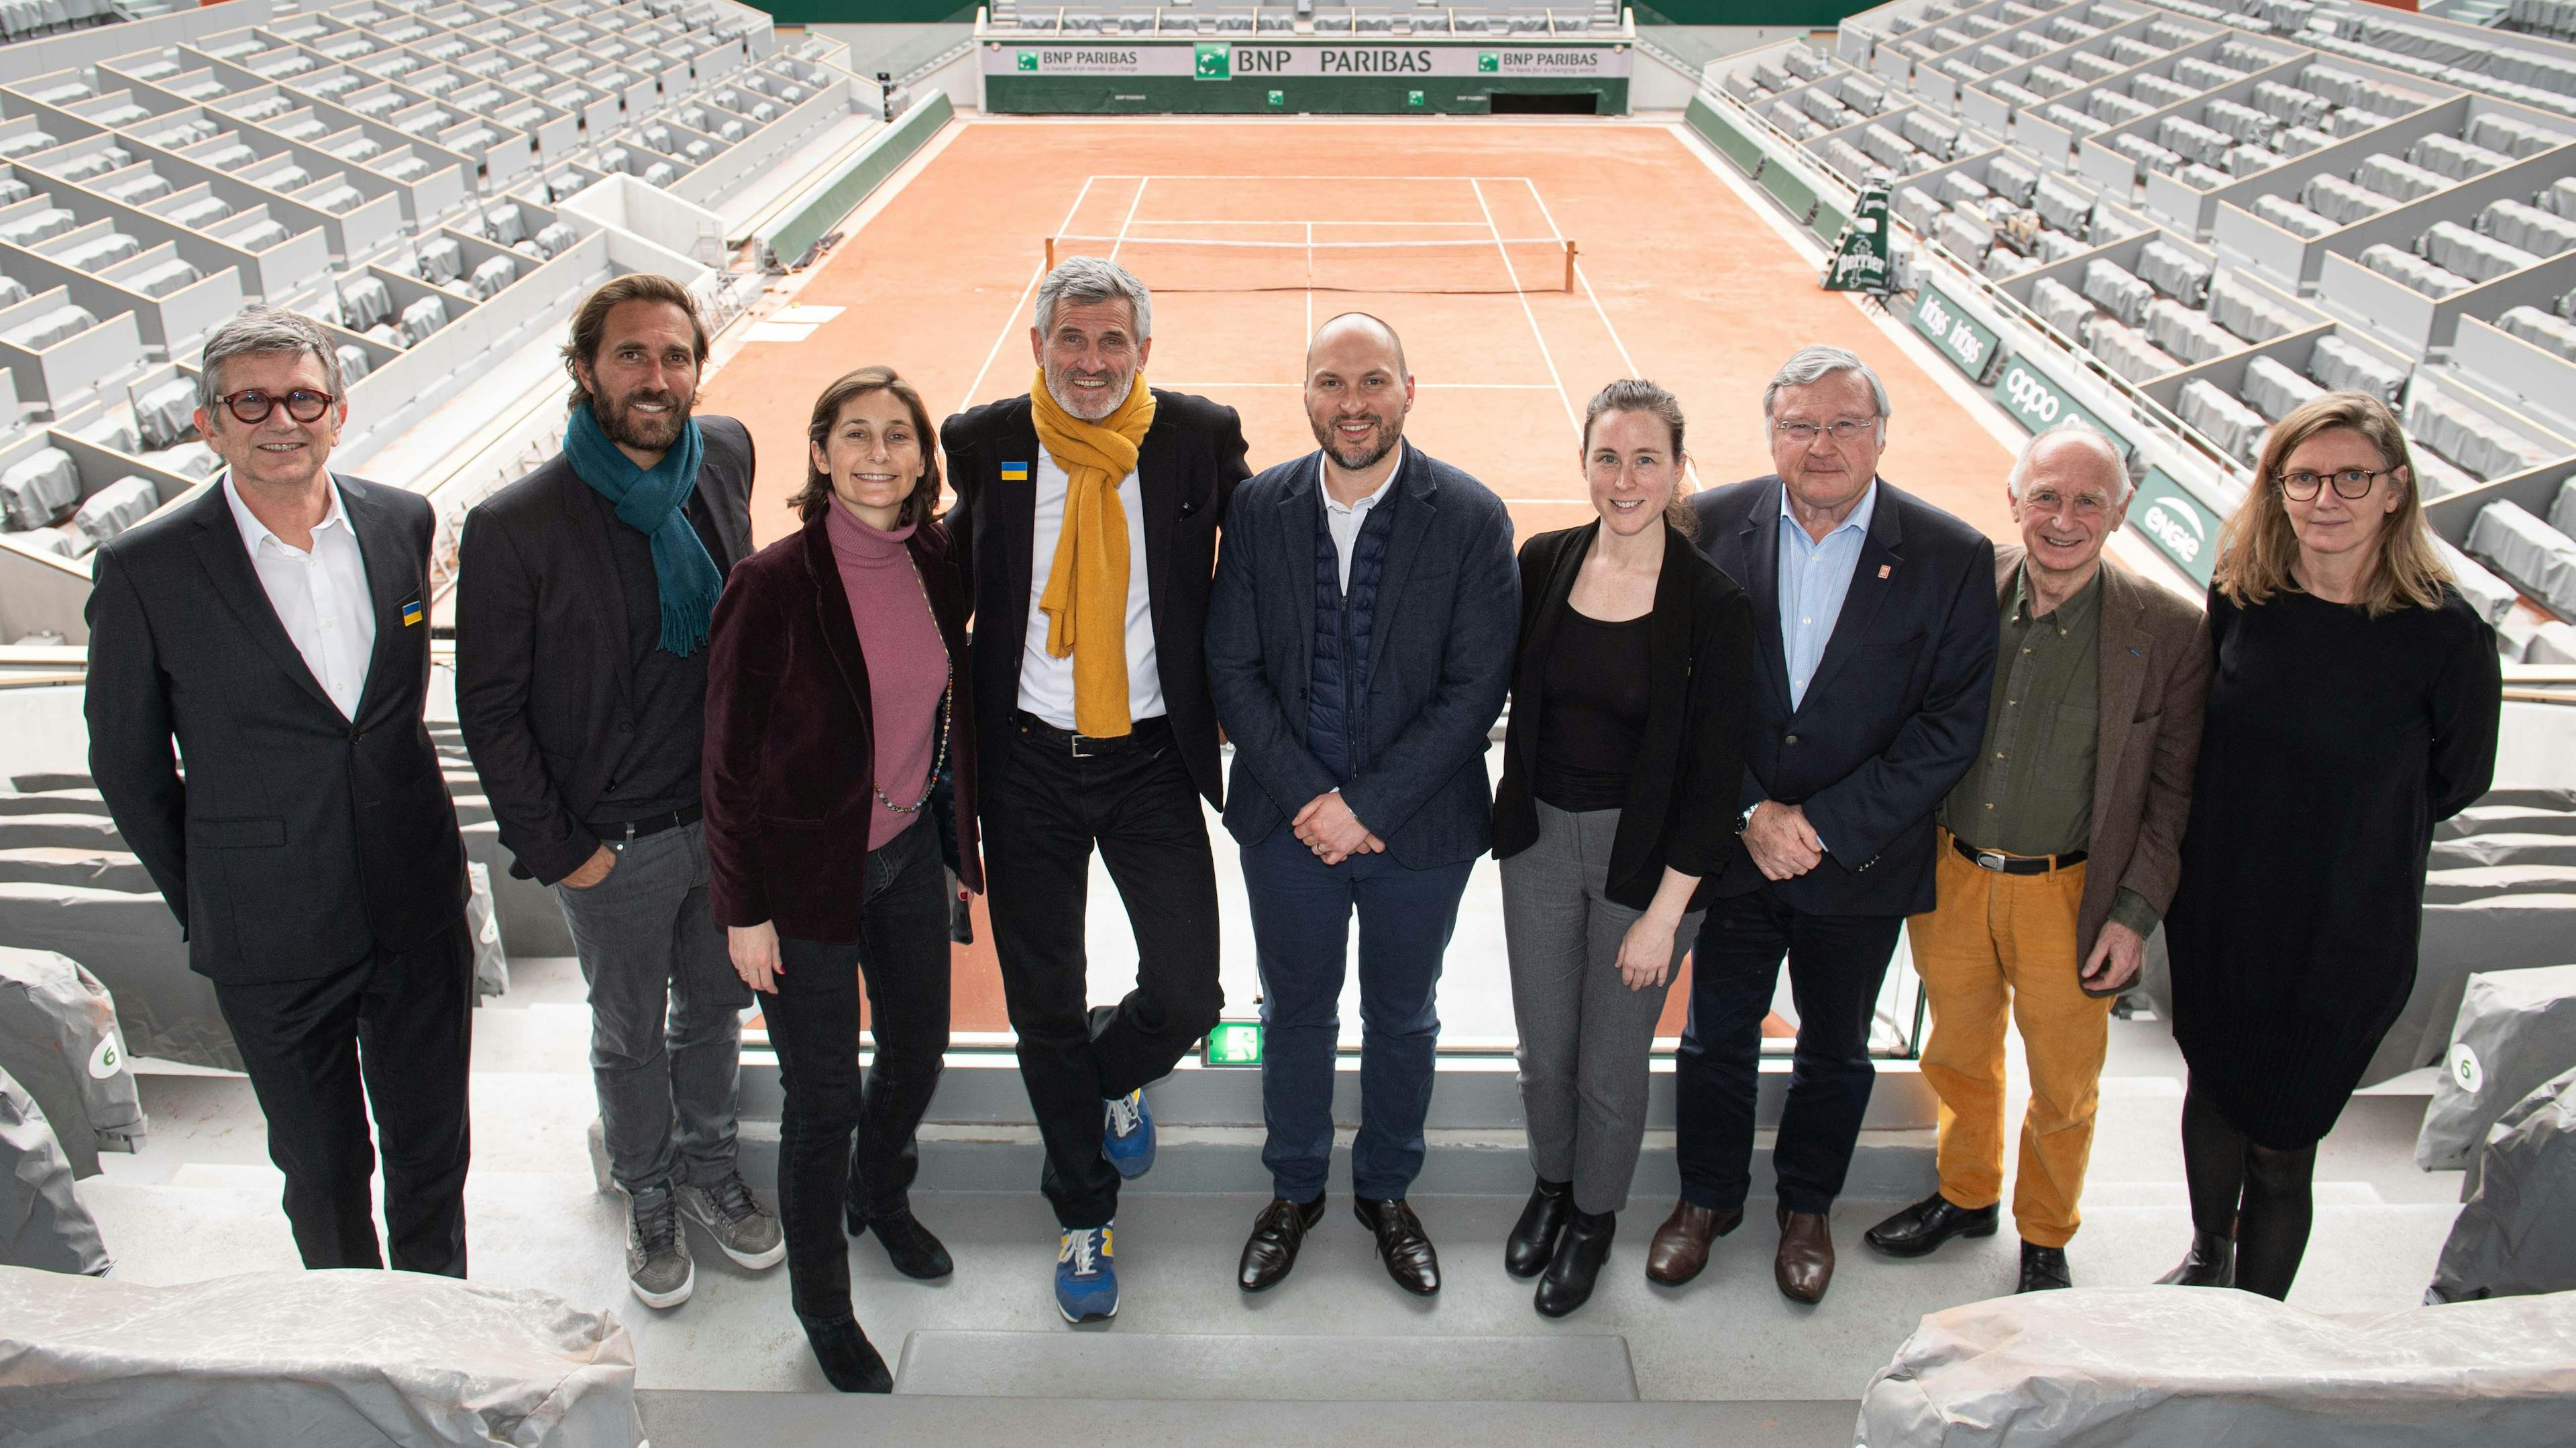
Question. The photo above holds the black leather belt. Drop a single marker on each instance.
(1089, 746)
(633, 830)
(2003, 864)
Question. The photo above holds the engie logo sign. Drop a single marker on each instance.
(2180, 525)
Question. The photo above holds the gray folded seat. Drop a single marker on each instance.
(59, 1039)
(2516, 1029)
(44, 1228)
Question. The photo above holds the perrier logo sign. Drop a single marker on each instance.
(1487, 62)
(1028, 60)
(1216, 61)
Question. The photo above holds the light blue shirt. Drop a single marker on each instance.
(1814, 579)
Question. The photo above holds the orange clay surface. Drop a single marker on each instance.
(1679, 280)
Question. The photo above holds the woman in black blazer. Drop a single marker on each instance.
(837, 696)
(1620, 775)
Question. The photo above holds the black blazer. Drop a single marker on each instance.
(1893, 715)
(1186, 471)
(1679, 810)
(300, 841)
(789, 780)
(1440, 657)
(541, 647)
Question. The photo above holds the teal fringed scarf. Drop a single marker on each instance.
(654, 503)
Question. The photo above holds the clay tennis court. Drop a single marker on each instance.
(1451, 230)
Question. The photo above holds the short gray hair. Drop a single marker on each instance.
(1081, 279)
(262, 330)
(2126, 465)
(1815, 364)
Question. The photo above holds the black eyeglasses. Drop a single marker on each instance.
(301, 404)
(2349, 483)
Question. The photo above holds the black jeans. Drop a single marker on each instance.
(1042, 817)
(1836, 963)
(814, 1025)
(392, 1033)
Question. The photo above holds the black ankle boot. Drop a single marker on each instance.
(1567, 1283)
(2210, 1263)
(909, 1245)
(1532, 1243)
(848, 1359)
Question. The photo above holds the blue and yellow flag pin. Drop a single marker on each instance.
(412, 613)
(1015, 472)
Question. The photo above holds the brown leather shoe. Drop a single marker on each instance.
(1805, 1266)
(1680, 1247)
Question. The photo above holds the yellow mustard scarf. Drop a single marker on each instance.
(1086, 594)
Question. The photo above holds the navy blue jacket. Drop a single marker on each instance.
(1440, 658)
(1897, 706)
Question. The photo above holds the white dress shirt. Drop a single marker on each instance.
(1345, 521)
(1046, 682)
(320, 596)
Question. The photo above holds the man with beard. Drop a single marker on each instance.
(584, 596)
(1359, 647)
(1086, 519)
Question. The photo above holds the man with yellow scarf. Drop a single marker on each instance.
(1086, 519)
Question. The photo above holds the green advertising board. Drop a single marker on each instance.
(2036, 401)
(2182, 527)
(1964, 340)
(1065, 74)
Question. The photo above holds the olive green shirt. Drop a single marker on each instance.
(2030, 789)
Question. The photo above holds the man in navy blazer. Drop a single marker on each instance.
(1359, 644)
(1875, 615)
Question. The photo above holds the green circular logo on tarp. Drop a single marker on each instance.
(107, 1060)
(2465, 1069)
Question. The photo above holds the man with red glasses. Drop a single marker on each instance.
(274, 628)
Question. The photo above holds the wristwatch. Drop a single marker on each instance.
(1745, 820)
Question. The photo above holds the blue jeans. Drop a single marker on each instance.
(1301, 926)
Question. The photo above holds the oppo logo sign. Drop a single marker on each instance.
(2030, 396)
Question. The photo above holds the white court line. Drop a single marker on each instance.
(1293, 221)
(1128, 220)
(1036, 275)
(1237, 176)
(1523, 297)
(1310, 287)
(1425, 386)
(1690, 468)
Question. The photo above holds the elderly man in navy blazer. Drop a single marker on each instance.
(1875, 614)
(1359, 645)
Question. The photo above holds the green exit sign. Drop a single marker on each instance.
(1232, 1043)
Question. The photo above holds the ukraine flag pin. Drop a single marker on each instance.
(1015, 472)
(411, 613)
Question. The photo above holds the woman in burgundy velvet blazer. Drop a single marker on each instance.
(836, 698)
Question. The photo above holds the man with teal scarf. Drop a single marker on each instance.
(585, 592)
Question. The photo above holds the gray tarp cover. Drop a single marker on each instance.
(58, 1037)
(2517, 1028)
(131, 943)
(2494, 933)
(42, 1222)
(2156, 1367)
(2512, 1235)
(344, 1358)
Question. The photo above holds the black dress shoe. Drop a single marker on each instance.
(1929, 1223)
(914, 1252)
(1570, 1274)
(1401, 1244)
(1276, 1235)
(2043, 1268)
(1532, 1244)
(849, 1360)
(2211, 1262)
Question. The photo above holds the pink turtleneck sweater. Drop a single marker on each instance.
(907, 662)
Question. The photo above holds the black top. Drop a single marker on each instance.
(657, 771)
(2333, 743)
(1595, 716)
(1688, 768)
(302, 839)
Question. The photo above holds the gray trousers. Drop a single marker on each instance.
(1584, 1033)
(665, 1012)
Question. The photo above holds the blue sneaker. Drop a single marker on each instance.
(1128, 1138)
(1086, 1279)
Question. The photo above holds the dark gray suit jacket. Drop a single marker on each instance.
(300, 841)
(1440, 658)
(1897, 705)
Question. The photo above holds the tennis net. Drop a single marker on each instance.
(1488, 265)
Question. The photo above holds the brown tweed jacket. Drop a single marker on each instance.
(2154, 677)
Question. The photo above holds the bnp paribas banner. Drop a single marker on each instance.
(1212, 60)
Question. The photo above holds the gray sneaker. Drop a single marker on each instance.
(658, 1266)
(746, 1230)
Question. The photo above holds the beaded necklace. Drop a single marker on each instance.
(947, 711)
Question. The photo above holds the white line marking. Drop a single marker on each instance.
(1130, 219)
(1545, 355)
(1690, 468)
(1292, 221)
(1310, 281)
(1238, 176)
(1036, 275)
(1427, 386)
